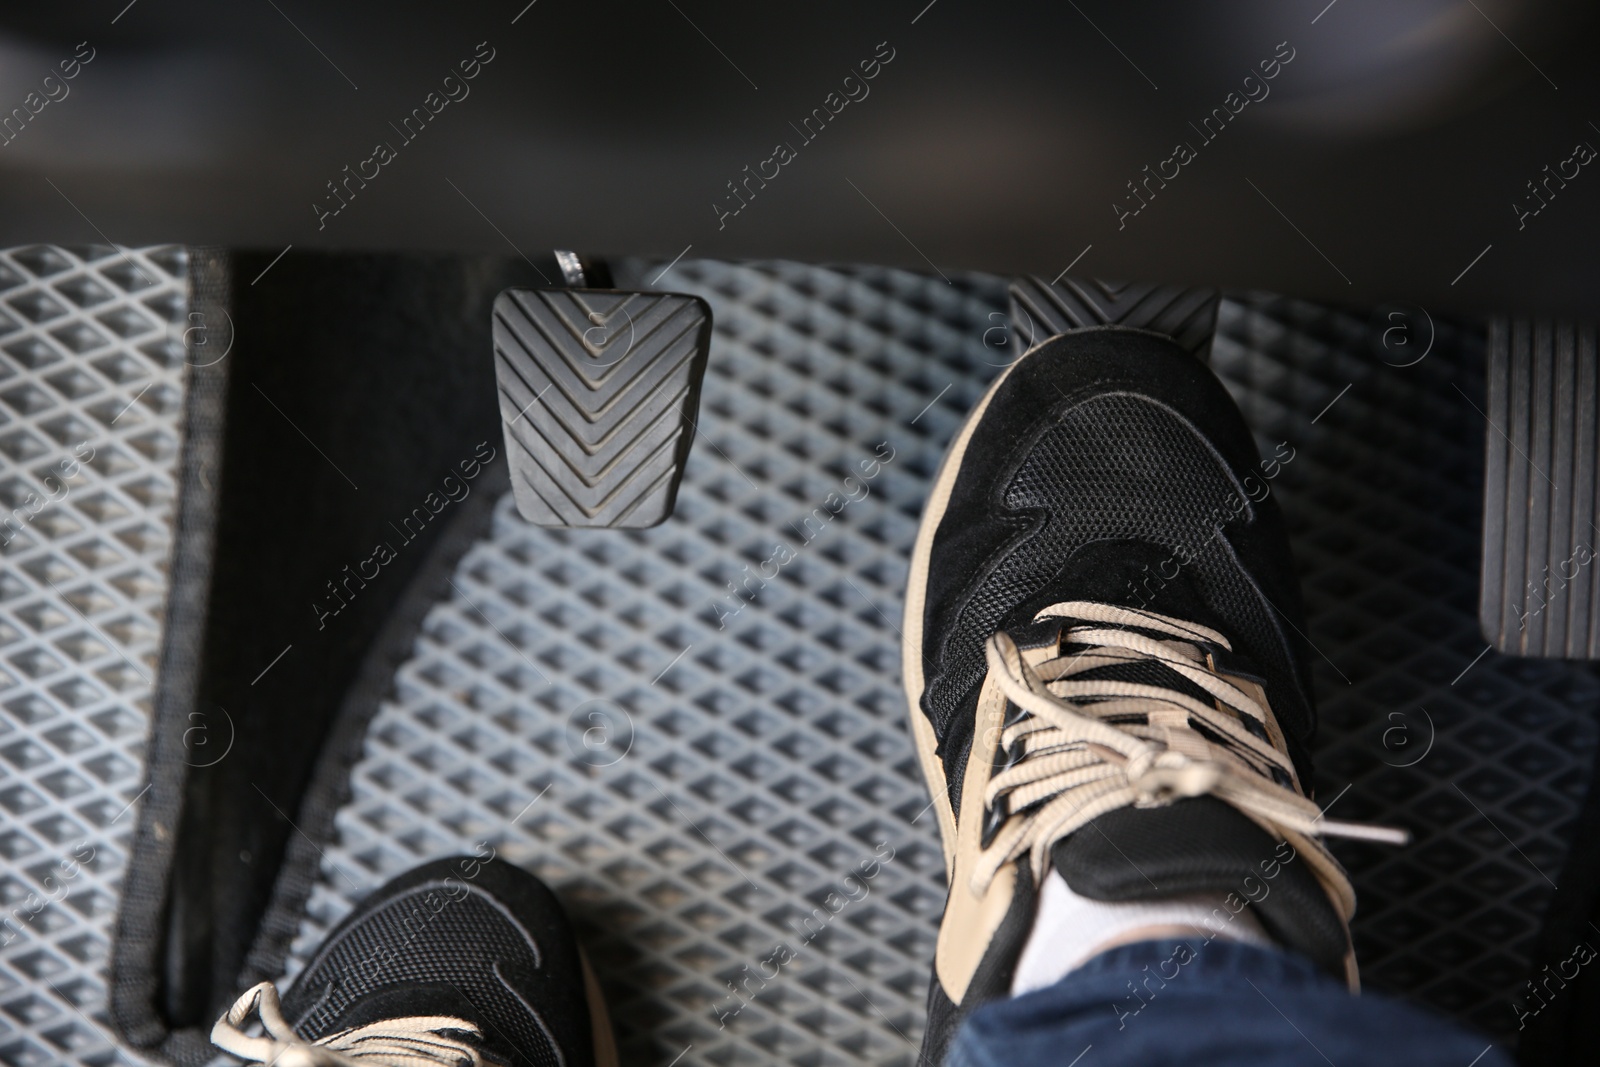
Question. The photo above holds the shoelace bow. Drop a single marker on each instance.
(412, 1041)
(1073, 748)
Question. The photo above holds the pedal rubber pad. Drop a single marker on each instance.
(599, 390)
(1540, 594)
(1041, 309)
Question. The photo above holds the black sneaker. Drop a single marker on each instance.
(459, 962)
(1104, 663)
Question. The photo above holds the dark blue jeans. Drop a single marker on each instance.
(1222, 1004)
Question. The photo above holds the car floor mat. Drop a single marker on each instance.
(98, 374)
(361, 431)
(706, 773)
(695, 732)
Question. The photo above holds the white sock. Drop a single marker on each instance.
(1069, 930)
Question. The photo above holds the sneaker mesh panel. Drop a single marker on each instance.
(1100, 478)
(407, 941)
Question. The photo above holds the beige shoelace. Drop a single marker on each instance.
(414, 1041)
(1067, 762)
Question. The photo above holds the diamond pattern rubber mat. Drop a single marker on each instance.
(705, 766)
(695, 733)
(91, 380)
(1485, 758)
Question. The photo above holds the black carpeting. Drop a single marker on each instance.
(360, 414)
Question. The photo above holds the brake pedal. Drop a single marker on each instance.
(599, 389)
(1041, 309)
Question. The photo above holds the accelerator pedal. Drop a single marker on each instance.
(599, 389)
(1540, 594)
(1041, 309)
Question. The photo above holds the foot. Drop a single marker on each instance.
(1103, 663)
(459, 962)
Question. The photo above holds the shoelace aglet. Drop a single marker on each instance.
(1357, 831)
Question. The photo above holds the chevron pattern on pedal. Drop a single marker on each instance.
(1041, 309)
(598, 392)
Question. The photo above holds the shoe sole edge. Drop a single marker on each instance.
(911, 627)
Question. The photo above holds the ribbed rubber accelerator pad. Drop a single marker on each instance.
(1541, 580)
(598, 394)
(1041, 309)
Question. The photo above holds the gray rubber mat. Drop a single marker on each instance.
(695, 732)
(1485, 758)
(698, 769)
(91, 380)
